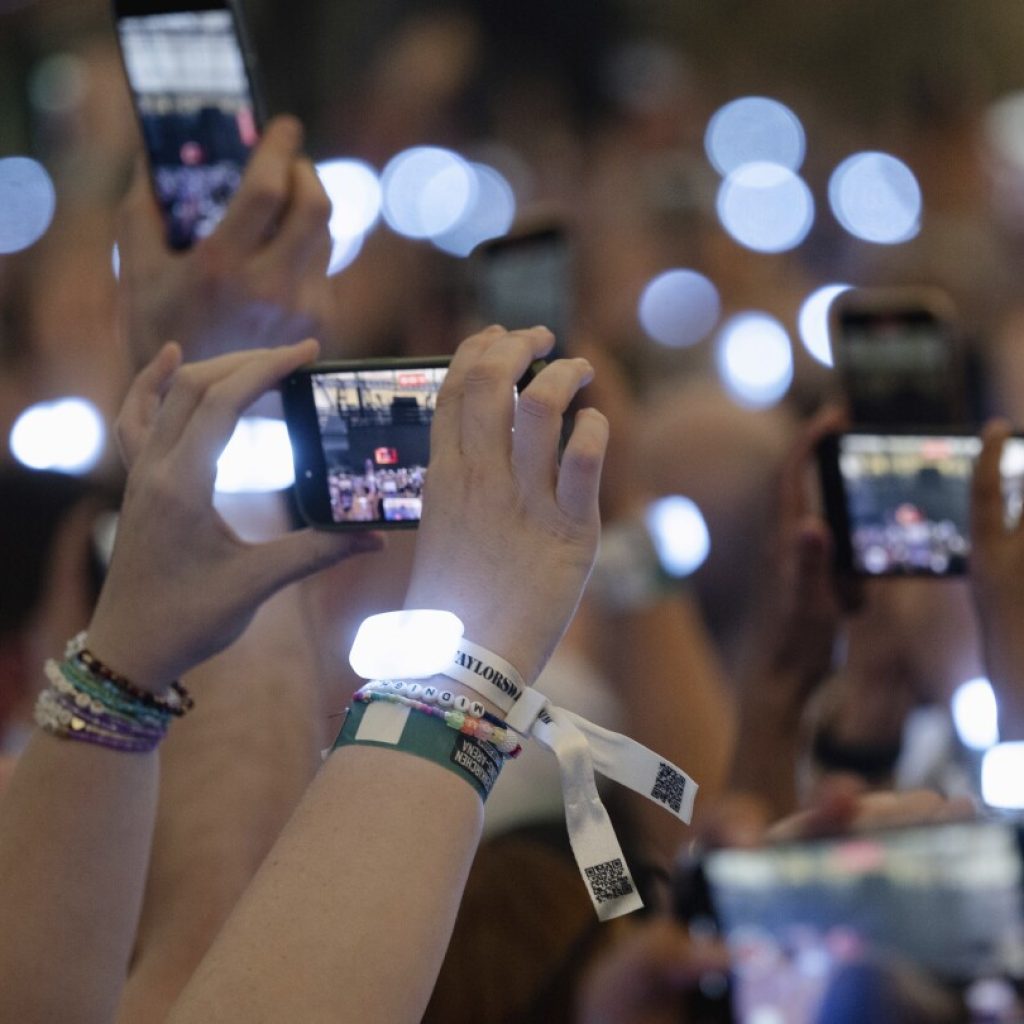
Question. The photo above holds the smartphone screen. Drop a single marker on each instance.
(899, 504)
(361, 440)
(898, 360)
(525, 280)
(817, 929)
(196, 107)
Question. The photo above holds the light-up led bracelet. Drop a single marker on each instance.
(393, 641)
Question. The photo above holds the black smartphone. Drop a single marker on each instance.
(899, 504)
(864, 927)
(191, 75)
(525, 279)
(360, 435)
(898, 358)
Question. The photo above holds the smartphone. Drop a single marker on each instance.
(525, 279)
(360, 435)
(818, 929)
(191, 75)
(898, 358)
(899, 504)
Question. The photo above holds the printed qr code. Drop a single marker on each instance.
(609, 881)
(669, 787)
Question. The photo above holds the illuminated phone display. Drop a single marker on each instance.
(196, 109)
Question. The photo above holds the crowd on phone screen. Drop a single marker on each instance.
(797, 700)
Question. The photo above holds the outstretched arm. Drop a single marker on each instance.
(77, 819)
(350, 914)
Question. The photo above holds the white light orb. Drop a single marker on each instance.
(876, 198)
(344, 250)
(765, 207)
(355, 193)
(1002, 776)
(426, 191)
(490, 215)
(755, 359)
(975, 714)
(754, 129)
(27, 203)
(680, 534)
(812, 321)
(679, 307)
(67, 435)
(258, 458)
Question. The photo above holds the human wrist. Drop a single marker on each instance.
(111, 649)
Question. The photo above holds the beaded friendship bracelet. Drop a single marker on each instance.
(90, 702)
(175, 700)
(457, 712)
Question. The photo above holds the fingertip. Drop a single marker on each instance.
(285, 129)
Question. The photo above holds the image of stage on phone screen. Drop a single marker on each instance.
(907, 500)
(375, 434)
(196, 111)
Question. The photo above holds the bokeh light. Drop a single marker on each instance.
(755, 359)
(1004, 128)
(427, 191)
(257, 458)
(67, 435)
(490, 215)
(812, 321)
(975, 714)
(355, 193)
(754, 129)
(876, 198)
(679, 533)
(1002, 776)
(27, 203)
(58, 83)
(679, 308)
(765, 207)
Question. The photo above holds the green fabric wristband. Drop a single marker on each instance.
(476, 761)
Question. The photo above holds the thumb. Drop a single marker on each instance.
(303, 552)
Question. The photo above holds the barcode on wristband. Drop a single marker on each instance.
(669, 787)
(609, 881)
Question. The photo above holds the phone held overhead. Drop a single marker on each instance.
(191, 75)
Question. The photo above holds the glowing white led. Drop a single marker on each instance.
(975, 714)
(679, 532)
(413, 644)
(258, 458)
(1002, 776)
(68, 435)
(765, 207)
(755, 359)
(27, 203)
(679, 308)
(752, 129)
(876, 198)
(426, 191)
(812, 322)
(490, 215)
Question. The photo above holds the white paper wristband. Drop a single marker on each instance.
(487, 673)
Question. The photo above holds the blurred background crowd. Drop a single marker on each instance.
(724, 171)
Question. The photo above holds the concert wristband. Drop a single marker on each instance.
(398, 728)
